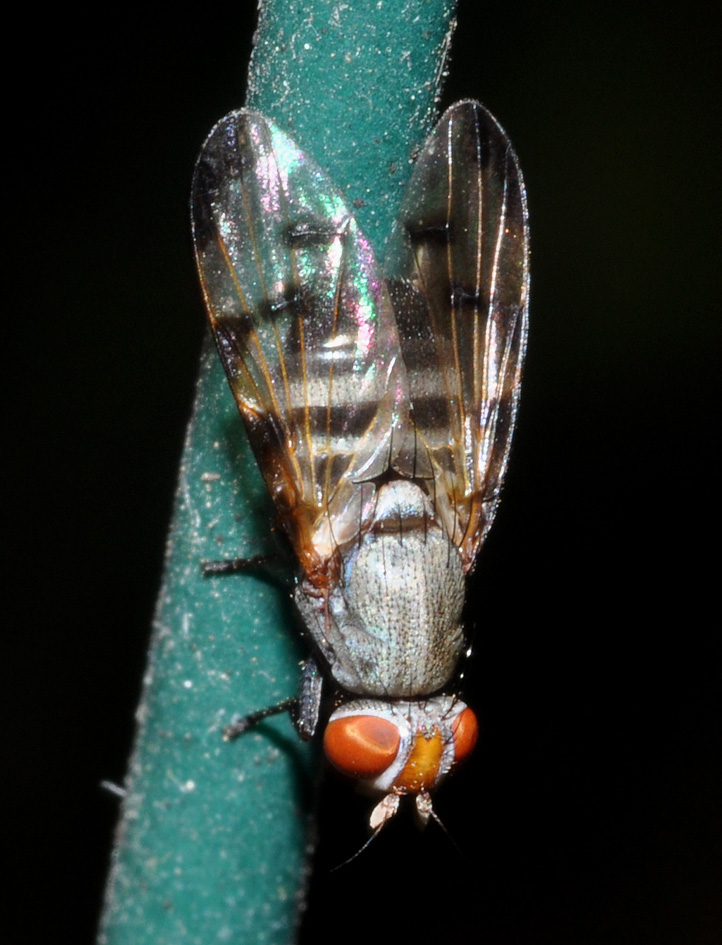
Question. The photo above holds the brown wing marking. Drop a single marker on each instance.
(458, 269)
(304, 327)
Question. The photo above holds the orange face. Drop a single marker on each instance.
(405, 749)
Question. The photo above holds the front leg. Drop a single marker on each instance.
(303, 709)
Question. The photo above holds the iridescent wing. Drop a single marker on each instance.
(304, 327)
(459, 276)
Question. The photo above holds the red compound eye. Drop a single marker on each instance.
(362, 746)
(465, 730)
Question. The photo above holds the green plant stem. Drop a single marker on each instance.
(213, 837)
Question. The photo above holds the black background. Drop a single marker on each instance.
(591, 814)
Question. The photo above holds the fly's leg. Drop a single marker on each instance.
(276, 567)
(303, 709)
(246, 722)
(267, 563)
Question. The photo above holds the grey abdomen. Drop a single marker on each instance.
(407, 592)
(393, 626)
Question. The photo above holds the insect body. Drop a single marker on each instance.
(380, 410)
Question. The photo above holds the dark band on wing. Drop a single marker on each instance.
(412, 318)
(336, 420)
(439, 233)
(205, 188)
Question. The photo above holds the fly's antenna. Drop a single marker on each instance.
(360, 850)
(435, 817)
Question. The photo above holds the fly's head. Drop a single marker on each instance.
(399, 748)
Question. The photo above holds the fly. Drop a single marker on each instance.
(380, 410)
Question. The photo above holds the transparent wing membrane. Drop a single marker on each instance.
(303, 324)
(341, 375)
(458, 269)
